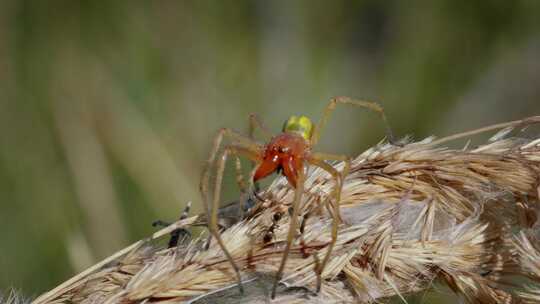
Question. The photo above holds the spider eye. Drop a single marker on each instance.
(299, 124)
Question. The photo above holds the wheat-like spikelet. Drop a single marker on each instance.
(412, 215)
(528, 260)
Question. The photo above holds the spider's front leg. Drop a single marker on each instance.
(218, 139)
(318, 159)
(213, 216)
(292, 227)
(249, 149)
(254, 123)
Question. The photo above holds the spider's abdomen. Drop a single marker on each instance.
(285, 151)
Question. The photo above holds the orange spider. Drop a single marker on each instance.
(288, 153)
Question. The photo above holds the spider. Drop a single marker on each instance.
(287, 153)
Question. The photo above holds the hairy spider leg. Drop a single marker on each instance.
(292, 227)
(347, 100)
(242, 185)
(318, 159)
(205, 177)
(239, 175)
(248, 149)
(302, 241)
(254, 123)
(213, 223)
(243, 193)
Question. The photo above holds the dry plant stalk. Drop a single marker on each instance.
(412, 215)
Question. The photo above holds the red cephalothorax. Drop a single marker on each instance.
(285, 152)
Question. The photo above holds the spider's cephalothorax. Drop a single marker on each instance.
(286, 153)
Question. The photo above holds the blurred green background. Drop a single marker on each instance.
(107, 108)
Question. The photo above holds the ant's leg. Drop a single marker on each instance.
(183, 216)
(160, 223)
(292, 228)
(175, 235)
(213, 218)
(318, 159)
(346, 100)
(302, 241)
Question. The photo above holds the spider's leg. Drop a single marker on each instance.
(239, 176)
(160, 223)
(205, 180)
(334, 157)
(205, 177)
(253, 188)
(318, 159)
(292, 228)
(242, 186)
(245, 190)
(254, 123)
(213, 218)
(302, 241)
(359, 103)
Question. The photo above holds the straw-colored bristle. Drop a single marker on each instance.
(412, 215)
(528, 261)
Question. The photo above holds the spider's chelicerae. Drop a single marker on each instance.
(288, 153)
